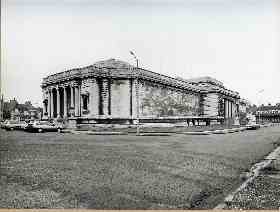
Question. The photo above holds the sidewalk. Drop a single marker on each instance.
(158, 130)
(164, 131)
(263, 192)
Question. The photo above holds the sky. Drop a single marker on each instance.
(235, 41)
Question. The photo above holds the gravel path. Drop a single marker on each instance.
(263, 192)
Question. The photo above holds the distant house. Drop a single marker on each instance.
(268, 113)
(15, 114)
(15, 111)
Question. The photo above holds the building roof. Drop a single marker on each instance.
(268, 108)
(113, 63)
(207, 80)
(115, 68)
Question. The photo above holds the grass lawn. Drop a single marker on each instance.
(52, 170)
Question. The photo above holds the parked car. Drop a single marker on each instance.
(13, 125)
(3, 123)
(253, 127)
(43, 126)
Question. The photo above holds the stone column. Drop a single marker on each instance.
(44, 108)
(72, 96)
(44, 104)
(233, 109)
(105, 97)
(57, 102)
(81, 103)
(77, 102)
(80, 100)
(64, 102)
(52, 104)
(229, 109)
(49, 104)
(71, 100)
(94, 98)
(226, 108)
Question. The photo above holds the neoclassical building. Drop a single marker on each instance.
(113, 91)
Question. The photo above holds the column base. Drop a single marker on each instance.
(72, 123)
(45, 118)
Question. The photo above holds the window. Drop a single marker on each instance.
(85, 99)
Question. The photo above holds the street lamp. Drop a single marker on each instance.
(137, 92)
(262, 90)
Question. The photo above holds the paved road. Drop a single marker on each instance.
(52, 170)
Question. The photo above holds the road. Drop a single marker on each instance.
(53, 170)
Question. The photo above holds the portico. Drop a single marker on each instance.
(61, 99)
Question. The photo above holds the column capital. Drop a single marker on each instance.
(64, 85)
(92, 80)
(74, 83)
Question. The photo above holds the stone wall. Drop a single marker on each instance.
(161, 101)
(211, 104)
(120, 98)
(90, 87)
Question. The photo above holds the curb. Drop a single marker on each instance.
(253, 173)
(219, 132)
(96, 133)
(222, 131)
(154, 134)
(105, 133)
(196, 133)
(207, 132)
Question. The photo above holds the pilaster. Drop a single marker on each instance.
(134, 94)
(105, 96)
(93, 97)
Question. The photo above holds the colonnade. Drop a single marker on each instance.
(229, 109)
(67, 96)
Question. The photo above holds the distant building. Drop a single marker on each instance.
(268, 113)
(244, 105)
(15, 114)
(15, 111)
(1, 108)
(106, 92)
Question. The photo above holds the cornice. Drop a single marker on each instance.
(77, 74)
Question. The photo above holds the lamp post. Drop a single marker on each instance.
(262, 90)
(137, 93)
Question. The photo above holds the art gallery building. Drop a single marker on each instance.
(113, 91)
